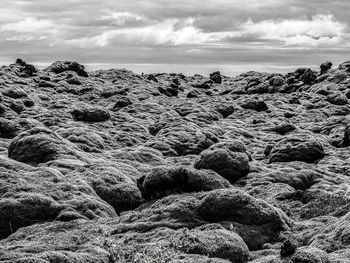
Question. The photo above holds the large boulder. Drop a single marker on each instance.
(325, 66)
(40, 145)
(216, 77)
(345, 65)
(181, 138)
(85, 139)
(163, 180)
(32, 195)
(62, 66)
(253, 219)
(297, 148)
(112, 186)
(255, 104)
(90, 114)
(231, 165)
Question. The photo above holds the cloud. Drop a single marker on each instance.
(169, 32)
(28, 25)
(122, 18)
(319, 30)
(249, 32)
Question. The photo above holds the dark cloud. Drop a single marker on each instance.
(265, 34)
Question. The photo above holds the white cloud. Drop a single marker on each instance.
(122, 18)
(28, 25)
(321, 29)
(169, 32)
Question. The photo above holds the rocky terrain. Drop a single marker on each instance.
(111, 166)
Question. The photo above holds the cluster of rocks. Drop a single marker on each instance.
(112, 166)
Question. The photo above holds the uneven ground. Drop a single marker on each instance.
(111, 166)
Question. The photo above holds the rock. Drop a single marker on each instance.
(25, 209)
(121, 103)
(288, 248)
(152, 78)
(257, 105)
(15, 93)
(112, 186)
(251, 168)
(254, 220)
(193, 94)
(90, 114)
(325, 66)
(182, 138)
(204, 85)
(230, 165)
(169, 91)
(216, 77)
(276, 81)
(258, 89)
(73, 80)
(162, 181)
(225, 110)
(27, 70)
(213, 242)
(86, 140)
(310, 255)
(297, 148)
(284, 128)
(337, 99)
(307, 76)
(40, 145)
(63, 66)
(345, 65)
(32, 195)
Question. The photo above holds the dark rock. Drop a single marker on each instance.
(276, 81)
(288, 248)
(254, 220)
(73, 80)
(284, 128)
(204, 85)
(8, 129)
(63, 66)
(289, 114)
(337, 99)
(308, 77)
(193, 94)
(46, 84)
(121, 103)
(257, 105)
(28, 103)
(17, 106)
(27, 70)
(325, 66)
(225, 110)
(345, 65)
(258, 89)
(297, 148)
(111, 93)
(86, 140)
(162, 181)
(15, 93)
(90, 114)
(169, 91)
(39, 145)
(152, 78)
(230, 165)
(216, 77)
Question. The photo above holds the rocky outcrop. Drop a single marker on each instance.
(112, 166)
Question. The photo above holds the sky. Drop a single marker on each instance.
(188, 36)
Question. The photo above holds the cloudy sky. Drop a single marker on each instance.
(189, 36)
